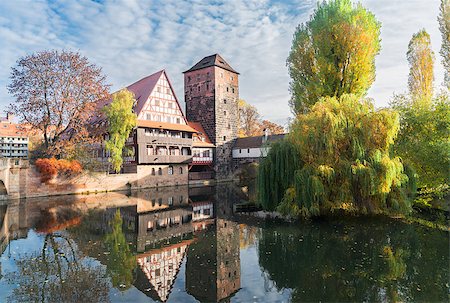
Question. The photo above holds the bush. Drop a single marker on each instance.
(50, 168)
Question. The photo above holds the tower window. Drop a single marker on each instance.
(232, 90)
(160, 173)
(207, 86)
(231, 78)
(224, 101)
(189, 79)
(198, 88)
(227, 89)
(224, 138)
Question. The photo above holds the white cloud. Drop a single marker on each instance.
(132, 39)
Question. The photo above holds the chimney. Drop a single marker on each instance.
(9, 117)
(266, 134)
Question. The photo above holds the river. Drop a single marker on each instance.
(187, 245)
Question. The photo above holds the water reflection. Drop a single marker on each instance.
(186, 245)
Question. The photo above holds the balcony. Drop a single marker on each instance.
(159, 159)
(202, 160)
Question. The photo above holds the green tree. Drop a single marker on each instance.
(121, 121)
(121, 262)
(444, 26)
(333, 53)
(424, 138)
(421, 60)
(343, 161)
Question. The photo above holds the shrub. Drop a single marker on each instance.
(50, 168)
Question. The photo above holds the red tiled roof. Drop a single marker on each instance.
(143, 88)
(8, 129)
(200, 133)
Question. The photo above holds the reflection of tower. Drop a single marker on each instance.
(213, 271)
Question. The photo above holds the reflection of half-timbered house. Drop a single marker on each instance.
(158, 270)
(202, 165)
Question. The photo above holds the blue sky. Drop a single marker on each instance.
(130, 39)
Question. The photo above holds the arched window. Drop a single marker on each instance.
(170, 170)
(181, 170)
(160, 171)
(153, 172)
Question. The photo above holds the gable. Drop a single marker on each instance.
(162, 104)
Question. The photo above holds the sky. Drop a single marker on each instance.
(131, 39)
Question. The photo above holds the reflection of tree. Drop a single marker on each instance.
(363, 261)
(247, 235)
(121, 262)
(58, 274)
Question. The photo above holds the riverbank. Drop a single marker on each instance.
(440, 224)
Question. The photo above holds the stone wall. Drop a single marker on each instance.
(31, 186)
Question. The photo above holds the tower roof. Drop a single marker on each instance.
(213, 60)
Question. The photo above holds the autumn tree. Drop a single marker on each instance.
(56, 91)
(249, 124)
(121, 121)
(444, 26)
(333, 53)
(421, 60)
(337, 156)
(274, 129)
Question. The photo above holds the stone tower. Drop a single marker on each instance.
(211, 94)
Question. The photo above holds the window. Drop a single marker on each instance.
(198, 88)
(224, 101)
(181, 170)
(227, 89)
(160, 200)
(189, 79)
(224, 138)
(150, 225)
(229, 126)
(178, 121)
(156, 102)
(231, 78)
(149, 150)
(168, 91)
(224, 112)
(170, 170)
(232, 90)
(153, 172)
(158, 89)
(240, 151)
(170, 201)
(207, 86)
(181, 199)
(160, 171)
(248, 150)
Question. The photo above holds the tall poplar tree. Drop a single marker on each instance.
(444, 26)
(333, 53)
(121, 121)
(421, 62)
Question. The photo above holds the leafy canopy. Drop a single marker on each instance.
(333, 53)
(121, 121)
(424, 138)
(336, 156)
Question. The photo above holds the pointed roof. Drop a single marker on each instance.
(213, 60)
(143, 88)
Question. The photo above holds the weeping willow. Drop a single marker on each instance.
(337, 156)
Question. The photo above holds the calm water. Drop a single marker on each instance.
(187, 245)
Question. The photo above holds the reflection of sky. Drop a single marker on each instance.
(253, 286)
(32, 243)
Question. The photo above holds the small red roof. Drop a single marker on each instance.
(8, 129)
(201, 139)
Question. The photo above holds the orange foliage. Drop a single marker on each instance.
(50, 168)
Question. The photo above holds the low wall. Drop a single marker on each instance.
(100, 182)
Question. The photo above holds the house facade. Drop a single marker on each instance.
(13, 139)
